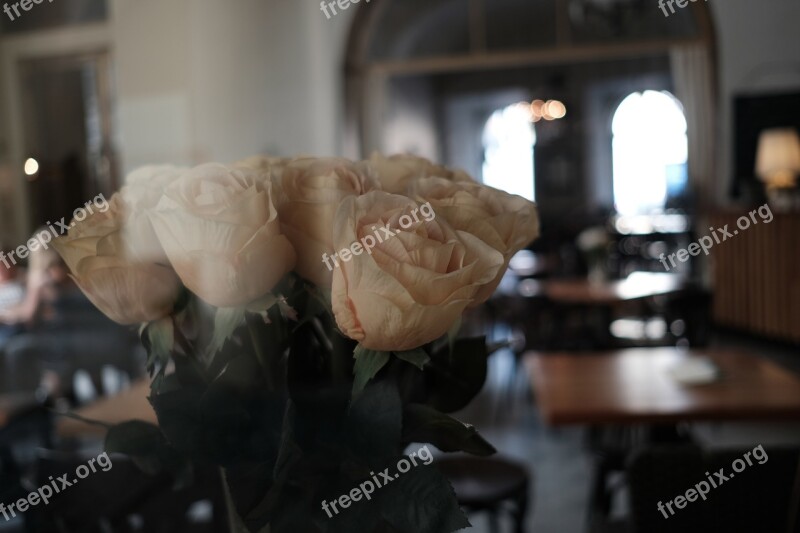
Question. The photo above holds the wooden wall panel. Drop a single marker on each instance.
(756, 276)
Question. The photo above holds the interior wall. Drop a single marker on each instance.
(758, 53)
(410, 119)
(221, 81)
(198, 80)
(151, 54)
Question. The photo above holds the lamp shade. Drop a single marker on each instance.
(778, 153)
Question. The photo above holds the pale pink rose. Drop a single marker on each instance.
(142, 191)
(111, 272)
(269, 167)
(396, 173)
(410, 288)
(219, 228)
(310, 193)
(506, 222)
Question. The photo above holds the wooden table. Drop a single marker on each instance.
(131, 404)
(633, 386)
(637, 286)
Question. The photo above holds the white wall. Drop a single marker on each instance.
(759, 51)
(197, 81)
(206, 80)
(152, 60)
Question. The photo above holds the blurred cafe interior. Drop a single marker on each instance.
(651, 333)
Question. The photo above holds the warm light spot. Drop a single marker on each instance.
(31, 166)
(537, 108)
(556, 109)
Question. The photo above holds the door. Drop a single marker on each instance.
(66, 111)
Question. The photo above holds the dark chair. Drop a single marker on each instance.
(28, 428)
(762, 497)
(489, 485)
(122, 499)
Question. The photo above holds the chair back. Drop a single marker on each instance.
(758, 498)
(122, 499)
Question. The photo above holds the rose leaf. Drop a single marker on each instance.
(368, 364)
(226, 321)
(423, 501)
(425, 424)
(158, 338)
(419, 357)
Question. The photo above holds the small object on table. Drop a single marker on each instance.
(695, 371)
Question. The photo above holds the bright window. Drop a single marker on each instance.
(508, 141)
(650, 151)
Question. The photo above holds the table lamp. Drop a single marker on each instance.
(777, 165)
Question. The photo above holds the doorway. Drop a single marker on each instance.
(67, 131)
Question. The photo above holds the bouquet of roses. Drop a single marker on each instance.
(301, 318)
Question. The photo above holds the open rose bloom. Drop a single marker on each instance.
(301, 317)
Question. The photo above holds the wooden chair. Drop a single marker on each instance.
(762, 497)
(122, 499)
(489, 485)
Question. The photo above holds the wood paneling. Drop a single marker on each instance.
(756, 276)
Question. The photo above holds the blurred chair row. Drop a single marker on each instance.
(121, 499)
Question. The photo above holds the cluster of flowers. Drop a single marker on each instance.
(229, 233)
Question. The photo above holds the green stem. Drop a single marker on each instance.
(235, 524)
(263, 359)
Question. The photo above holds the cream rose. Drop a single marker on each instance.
(397, 172)
(142, 191)
(410, 288)
(220, 230)
(504, 221)
(310, 193)
(111, 272)
(264, 163)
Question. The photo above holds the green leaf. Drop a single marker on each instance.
(452, 334)
(288, 456)
(419, 357)
(146, 446)
(425, 424)
(374, 424)
(158, 338)
(263, 304)
(180, 418)
(422, 501)
(226, 321)
(454, 382)
(235, 522)
(368, 364)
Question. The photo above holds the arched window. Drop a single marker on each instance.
(508, 141)
(423, 39)
(650, 150)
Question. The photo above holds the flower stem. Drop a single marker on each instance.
(263, 358)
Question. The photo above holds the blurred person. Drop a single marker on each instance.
(12, 293)
(49, 291)
(50, 297)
